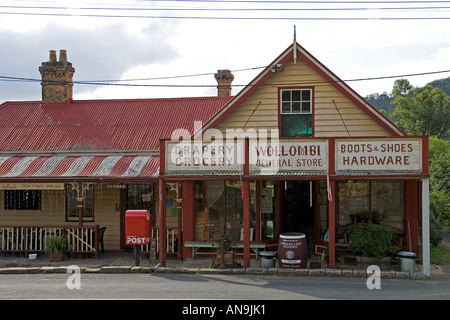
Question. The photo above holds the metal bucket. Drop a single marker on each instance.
(406, 261)
(267, 259)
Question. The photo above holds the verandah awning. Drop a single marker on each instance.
(115, 166)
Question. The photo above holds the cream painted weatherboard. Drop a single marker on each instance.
(261, 109)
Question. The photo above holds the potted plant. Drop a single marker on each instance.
(225, 253)
(54, 247)
(373, 243)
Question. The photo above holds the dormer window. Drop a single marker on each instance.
(295, 113)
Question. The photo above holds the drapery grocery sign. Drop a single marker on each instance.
(382, 155)
(194, 156)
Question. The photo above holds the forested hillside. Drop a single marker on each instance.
(383, 101)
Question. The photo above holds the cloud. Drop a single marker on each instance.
(106, 52)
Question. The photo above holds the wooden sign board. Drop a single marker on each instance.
(379, 155)
(32, 186)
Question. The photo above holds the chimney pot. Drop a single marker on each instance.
(224, 79)
(52, 56)
(62, 55)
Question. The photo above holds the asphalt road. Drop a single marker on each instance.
(227, 287)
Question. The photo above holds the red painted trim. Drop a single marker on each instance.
(258, 210)
(331, 154)
(332, 226)
(411, 215)
(246, 157)
(162, 157)
(162, 222)
(246, 222)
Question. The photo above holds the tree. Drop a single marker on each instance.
(443, 84)
(439, 168)
(422, 111)
(382, 102)
(439, 164)
(402, 88)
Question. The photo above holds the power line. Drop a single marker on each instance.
(228, 18)
(109, 82)
(90, 11)
(307, 1)
(179, 76)
(221, 9)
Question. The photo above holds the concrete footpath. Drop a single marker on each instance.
(123, 262)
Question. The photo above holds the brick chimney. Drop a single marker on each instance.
(57, 78)
(224, 79)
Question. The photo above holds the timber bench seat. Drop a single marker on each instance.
(195, 245)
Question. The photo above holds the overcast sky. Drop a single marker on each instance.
(147, 44)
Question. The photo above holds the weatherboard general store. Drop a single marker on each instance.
(296, 150)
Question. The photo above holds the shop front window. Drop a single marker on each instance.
(268, 210)
(22, 199)
(219, 209)
(376, 201)
(88, 201)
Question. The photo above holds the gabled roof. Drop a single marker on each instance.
(305, 56)
(100, 125)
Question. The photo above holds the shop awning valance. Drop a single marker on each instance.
(111, 166)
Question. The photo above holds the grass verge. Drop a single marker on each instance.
(440, 256)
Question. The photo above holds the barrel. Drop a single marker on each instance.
(292, 250)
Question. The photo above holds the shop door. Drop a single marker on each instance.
(298, 209)
(139, 196)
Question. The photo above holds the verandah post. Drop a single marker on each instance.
(162, 205)
(426, 226)
(80, 215)
(246, 196)
(332, 227)
(246, 203)
(162, 222)
(331, 206)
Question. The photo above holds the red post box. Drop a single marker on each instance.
(137, 227)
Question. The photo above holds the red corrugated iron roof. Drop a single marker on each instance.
(79, 166)
(134, 124)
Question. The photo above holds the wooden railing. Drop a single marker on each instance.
(32, 239)
(171, 241)
(81, 240)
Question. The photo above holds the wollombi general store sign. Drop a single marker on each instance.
(288, 156)
(296, 156)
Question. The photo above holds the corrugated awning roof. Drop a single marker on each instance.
(79, 166)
